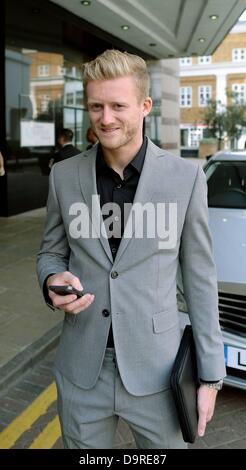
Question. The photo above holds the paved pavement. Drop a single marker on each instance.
(29, 332)
(28, 417)
(24, 317)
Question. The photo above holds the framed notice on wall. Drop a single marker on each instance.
(37, 134)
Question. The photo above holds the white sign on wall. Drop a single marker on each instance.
(37, 134)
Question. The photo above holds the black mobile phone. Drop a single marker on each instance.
(65, 290)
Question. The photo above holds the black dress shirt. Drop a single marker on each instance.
(112, 189)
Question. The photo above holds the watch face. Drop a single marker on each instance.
(215, 385)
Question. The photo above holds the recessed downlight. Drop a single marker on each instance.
(85, 3)
(201, 39)
(214, 17)
(125, 27)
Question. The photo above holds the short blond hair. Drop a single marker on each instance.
(114, 64)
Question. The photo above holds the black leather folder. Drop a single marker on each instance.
(184, 384)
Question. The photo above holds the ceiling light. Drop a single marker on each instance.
(125, 27)
(201, 39)
(85, 3)
(214, 17)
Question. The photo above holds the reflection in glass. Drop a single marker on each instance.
(44, 93)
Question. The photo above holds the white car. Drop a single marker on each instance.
(226, 178)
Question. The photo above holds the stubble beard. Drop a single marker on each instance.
(125, 139)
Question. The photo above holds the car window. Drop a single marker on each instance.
(227, 184)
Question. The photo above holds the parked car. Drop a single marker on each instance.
(226, 178)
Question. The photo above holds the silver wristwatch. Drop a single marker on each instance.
(214, 385)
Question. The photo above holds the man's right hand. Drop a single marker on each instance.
(69, 303)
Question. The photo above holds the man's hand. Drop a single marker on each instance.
(69, 303)
(205, 404)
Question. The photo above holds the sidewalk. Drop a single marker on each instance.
(24, 317)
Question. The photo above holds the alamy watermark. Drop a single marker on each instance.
(149, 220)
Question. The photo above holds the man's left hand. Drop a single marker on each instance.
(205, 404)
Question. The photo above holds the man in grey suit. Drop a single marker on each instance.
(120, 339)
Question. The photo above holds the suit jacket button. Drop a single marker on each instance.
(105, 313)
(114, 274)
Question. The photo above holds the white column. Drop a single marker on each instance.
(165, 76)
(221, 88)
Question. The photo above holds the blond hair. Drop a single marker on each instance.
(114, 64)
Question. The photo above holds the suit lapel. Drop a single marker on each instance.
(88, 184)
(145, 189)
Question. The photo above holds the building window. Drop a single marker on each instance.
(79, 98)
(184, 137)
(239, 54)
(195, 137)
(185, 96)
(43, 70)
(204, 59)
(191, 136)
(185, 61)
(44, 102)
(240, 93)
(61, 70)
(205, 94)
(69, 99)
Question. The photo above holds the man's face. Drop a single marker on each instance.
(116, 112)
(60, 140)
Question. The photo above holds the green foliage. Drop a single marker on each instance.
(235, 118)
(215, 119)
(226, 120)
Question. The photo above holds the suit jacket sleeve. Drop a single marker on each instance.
(53, 256)
(200, 283)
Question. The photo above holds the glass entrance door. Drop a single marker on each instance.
(44, 93)
(77, 120)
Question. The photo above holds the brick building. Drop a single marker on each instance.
(208, 77)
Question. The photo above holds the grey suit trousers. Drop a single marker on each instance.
(89, 417)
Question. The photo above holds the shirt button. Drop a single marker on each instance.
(118, 186)
(114, 274)
(105, 313)
(113, 249)
(116, 218)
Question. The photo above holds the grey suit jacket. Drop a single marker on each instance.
(142, 298)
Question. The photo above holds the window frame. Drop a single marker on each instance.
(241, 98)
(241, 51)
(185, 61)
(43, 70)
(201, 62)
(203, 105)
(186, 98)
